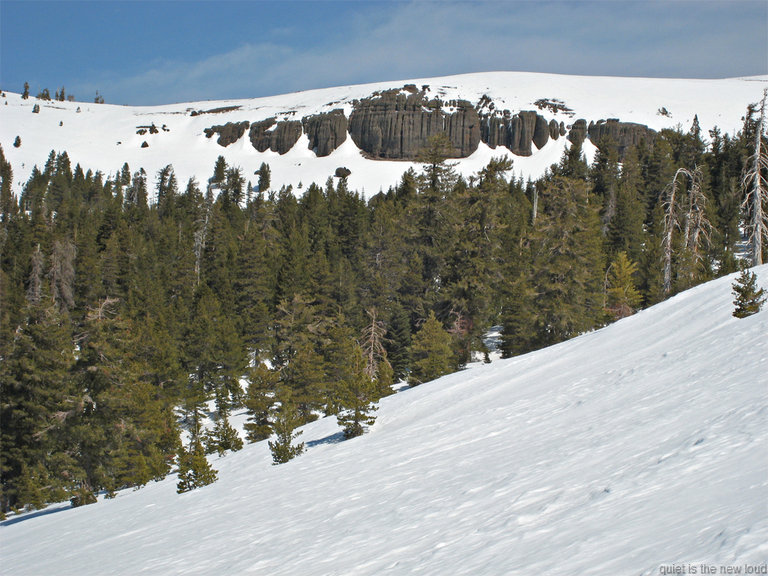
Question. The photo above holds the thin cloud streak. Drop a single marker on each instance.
(422, 39)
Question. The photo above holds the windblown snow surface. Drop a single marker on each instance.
(640, 448)
(104, 137)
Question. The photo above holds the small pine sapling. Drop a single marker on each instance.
(286, 421)
(749, 297)
(258, 401)
(223, 437)
(356, 396)
(194, 469)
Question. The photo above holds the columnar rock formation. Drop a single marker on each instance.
(623, 134)
(397, 124)
(518, 132)
(277, 136)
(229, 133)
(326, 132)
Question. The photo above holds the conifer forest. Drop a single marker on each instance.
(134, 307)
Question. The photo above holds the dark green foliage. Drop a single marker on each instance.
(82, 497)
(398, 342)
(259, 398)
(749, 296)
(38, 396)
(265, 177)
(622, 297)
(356, 393)
(119, 306)
(286, 420)
(567, 263)
(214, 357)
(194, 469)
(432, 353)
(222, 438)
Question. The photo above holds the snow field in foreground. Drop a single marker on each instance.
(628, 450)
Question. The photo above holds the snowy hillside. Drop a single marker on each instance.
(630, 450)
(103, 137)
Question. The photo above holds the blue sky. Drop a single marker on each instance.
(155, 52)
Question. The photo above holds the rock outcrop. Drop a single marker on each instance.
(229, 133)
(277, 136)
(556, 130)
(326, 132)
(578, 132)
(540, 132)
(623, 134)
(516, 133)
(397, 124)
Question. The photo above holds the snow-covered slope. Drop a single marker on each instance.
(629, 450)
(103, 137)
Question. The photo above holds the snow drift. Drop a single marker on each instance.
(635, 449)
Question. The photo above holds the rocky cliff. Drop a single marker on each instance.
(397, 124)
(517, 133)
(623, 134)
(326, 132)
(229, 133)
(277, 136)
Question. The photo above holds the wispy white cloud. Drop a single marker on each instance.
(400, 40)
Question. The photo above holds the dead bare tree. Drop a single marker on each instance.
(755, 183)
(62, 274)
(35, 289)
(200, 238)
(373, 345)
(103, 309)
(696, 225)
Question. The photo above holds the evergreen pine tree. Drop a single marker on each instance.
(567, 267)
(749, 297)
(431, 352)
(194, 469)
(398, 342)
(286, 420)
(356, 396)
(622, 297)
(223, 437)
(265, 177)
(37, 396)
(262, 383)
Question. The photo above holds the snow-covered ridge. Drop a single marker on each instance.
(629, 450)
(103, 136)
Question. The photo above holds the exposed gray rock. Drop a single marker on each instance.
(229, 133)
(554, 129)
(540, 132)
(326, 132)
(342, 172)
(517, 132)
(394, 124)
(276, 136)
(522, 132)
(578, 132)
(623, 134)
